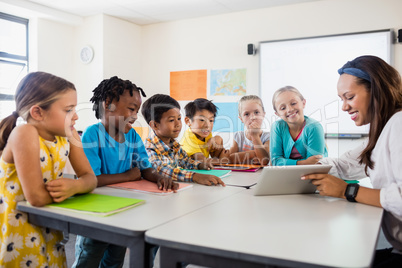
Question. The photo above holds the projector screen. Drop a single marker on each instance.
(311, 65)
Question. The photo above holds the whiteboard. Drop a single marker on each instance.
(311, 65)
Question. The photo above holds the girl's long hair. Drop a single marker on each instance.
(37, 88)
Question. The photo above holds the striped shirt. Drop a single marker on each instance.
(170, 161)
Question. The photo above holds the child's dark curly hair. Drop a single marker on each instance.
(110, 89)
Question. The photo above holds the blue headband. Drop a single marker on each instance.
(355, 72)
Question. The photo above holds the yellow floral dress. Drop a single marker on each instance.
(24, 244)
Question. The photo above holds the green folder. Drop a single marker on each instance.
(98, 204)
(216, 172)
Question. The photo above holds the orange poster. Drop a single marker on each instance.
(188, 85)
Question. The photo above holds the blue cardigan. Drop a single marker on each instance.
(311, 142)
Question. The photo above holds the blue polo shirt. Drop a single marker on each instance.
(107, 156)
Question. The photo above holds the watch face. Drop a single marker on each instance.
(86, 54)
(350, 190)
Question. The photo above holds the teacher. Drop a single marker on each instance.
(371, 92)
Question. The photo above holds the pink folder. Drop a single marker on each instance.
(145, 186)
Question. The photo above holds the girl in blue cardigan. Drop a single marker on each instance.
(295, 139)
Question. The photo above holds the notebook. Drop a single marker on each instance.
(238, 167)
(279, 180)
(145, 186)
(97, 204)
(216, 172)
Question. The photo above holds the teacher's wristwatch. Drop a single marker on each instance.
(351, 191)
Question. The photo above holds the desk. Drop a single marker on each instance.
(242, 179)
(288, 230)
(128, 227)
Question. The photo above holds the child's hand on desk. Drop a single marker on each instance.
(163, 183)
(328, 185)
(255, 161)
(312, 160)
(207, 179)
(215, 144)
(134, 174)
(62, 188)
(206, 164)
(166, 184)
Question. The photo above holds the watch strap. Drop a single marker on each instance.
(351, 191)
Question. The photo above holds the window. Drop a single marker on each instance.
(13, 59)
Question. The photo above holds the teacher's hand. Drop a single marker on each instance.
(328, 185)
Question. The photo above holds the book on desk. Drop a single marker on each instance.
(97, 204)
(215, 172)
(144, 186)
(238, 167)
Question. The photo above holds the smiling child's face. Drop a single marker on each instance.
(169, 126)
(289, 107)
(123, 113)
(201, 124)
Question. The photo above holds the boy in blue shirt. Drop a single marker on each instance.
(116, 154)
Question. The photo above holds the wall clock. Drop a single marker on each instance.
(86, 54)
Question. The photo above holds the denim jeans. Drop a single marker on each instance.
(90, 253)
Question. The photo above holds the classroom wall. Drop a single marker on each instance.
(56, 47)
(147, 54)
(52, 48)
(87, 76)
(220, 42)
(117, 50)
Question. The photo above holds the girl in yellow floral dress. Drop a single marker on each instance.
(33, 156)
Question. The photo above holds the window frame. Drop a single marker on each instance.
(15, 59)
(25, 22)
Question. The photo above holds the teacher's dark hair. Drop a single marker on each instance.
(385, 90)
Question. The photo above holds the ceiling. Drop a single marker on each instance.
(143, 12)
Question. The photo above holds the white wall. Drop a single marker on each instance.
(220, 42)
(146, 55)
(117, 50)
(122, 49)
(57, 46)
(54, 47)
(88, 76)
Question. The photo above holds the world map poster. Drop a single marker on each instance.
(230, 82)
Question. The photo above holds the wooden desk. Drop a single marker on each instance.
(128, 227)
(287, 230)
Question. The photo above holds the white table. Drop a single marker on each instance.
(287, 230)
(242, 178)
(128, 227)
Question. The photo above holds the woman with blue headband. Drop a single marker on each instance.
(371, 92)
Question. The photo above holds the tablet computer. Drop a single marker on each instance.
(279, 180)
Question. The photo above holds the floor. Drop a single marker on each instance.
(70, 252)
(382, 243)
